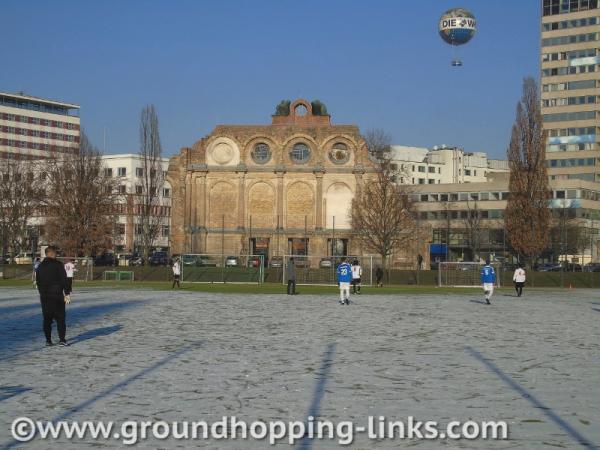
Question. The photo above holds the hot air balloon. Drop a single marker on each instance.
(457, 26)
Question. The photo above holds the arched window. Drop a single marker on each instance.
(261, 154)
(339, 153)
(300, 153)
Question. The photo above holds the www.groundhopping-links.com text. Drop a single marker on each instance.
(25, 429)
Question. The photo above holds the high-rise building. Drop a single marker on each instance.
(32, 127)
(570, 79)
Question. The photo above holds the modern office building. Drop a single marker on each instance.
(444, 210)
(441, 165)
(128, 170)
(32, 127)
(570, 82)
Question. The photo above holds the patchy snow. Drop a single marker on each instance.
(175, 355)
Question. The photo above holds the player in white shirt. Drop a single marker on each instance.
(176, 273)
(519, 278)
(70, 269)
(356, 276)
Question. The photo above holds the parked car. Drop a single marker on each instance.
(24, 258)
(105, 259)
(548, 267)
(303, 263)
(276, 262)
(591, 267)
(326, 263)
(159, 259)
(232, 261)
(189, 260)
(203, 261)
(254, 261)
(573, 267)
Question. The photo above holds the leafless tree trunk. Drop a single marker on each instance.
(21, 195)
(80, 201)
(149, 201)
(473, 223)
(527, 211)
(382, 217)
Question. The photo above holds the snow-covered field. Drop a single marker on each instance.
(179, 356)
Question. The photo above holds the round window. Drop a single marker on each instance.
(339, 153)
(300, 153)
(261, 154)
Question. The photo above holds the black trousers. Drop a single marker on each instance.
(291, 287)
(70, 284)
(519, 287)
(53, 309)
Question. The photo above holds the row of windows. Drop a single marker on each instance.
(570, 70)
(571, 147)
(570, 86)
(568, 101)
(120, 230)
(34, 106)
(300, 153)
(559, 132)
(40, 134)
(554, 7)
(575, 23)
(36, 146)
(570, 39)
(572, 162)
(122, 172)
(38, 121)
(452, 214)
(562, 117)
(139, 190)
(157, 210)
(573, 54)
(493, 196)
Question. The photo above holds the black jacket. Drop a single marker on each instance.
(51, 278)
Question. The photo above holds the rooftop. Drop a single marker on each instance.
(20, 96)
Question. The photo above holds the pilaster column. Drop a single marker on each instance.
(241, 200)
(280, 197)
(319, 200)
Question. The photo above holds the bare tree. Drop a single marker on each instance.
(149, 200)
(527, 211)
(382, 217)
(80, 201)
(473, 223)
(20, 198)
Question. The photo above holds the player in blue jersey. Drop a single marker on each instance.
(344, 277)
(488, 278)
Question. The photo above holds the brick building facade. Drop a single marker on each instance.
(278, 189)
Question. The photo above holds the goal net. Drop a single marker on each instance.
(217, 268)
(322, 270)
(463, 274)
(84, 267)
(118, 275)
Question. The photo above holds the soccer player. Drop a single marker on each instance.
(488, 278)
(379, 276)
(519, 279)
(36, 264)
(356, 275)
(344, 276)
(54, 294)
(70, 270)
(291, 278)
(176, 273)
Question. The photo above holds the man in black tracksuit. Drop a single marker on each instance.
(54, 292)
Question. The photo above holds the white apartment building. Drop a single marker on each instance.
(128, 170)
(442, 165)
(32, 127)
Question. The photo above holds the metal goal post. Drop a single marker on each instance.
(222, 268)
(322, 270)
(463, 274)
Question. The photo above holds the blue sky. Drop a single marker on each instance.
(376, 64)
